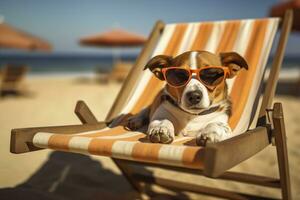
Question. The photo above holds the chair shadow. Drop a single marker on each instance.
(74, 176)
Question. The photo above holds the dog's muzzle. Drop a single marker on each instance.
(194, 97)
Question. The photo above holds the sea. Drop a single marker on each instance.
(42, 64)
(56, 64)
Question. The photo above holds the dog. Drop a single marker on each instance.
(195, 100)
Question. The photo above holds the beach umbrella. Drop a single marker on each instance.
(115, 38)
(11, 37)
(278, 11)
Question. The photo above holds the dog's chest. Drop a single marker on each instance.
(196, 123)
(185, 123)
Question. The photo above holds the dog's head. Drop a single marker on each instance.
(195, 95)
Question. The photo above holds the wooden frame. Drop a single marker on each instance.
(218, 157)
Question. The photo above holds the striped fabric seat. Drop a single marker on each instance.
(250, 38)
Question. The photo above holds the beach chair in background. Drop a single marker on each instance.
(12, 79)
(118, 73)
(250, 38)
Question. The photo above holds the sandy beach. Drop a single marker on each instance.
(51, 101)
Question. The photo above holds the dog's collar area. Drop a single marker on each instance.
(166, 97)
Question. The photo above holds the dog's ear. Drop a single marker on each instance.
(234, 62)
(157, 63)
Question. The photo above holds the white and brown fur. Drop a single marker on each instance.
(179, 116)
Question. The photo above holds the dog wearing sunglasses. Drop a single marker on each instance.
(195, 100)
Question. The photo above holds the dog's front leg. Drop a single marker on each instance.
(213, 132)
(139, 120)
(161, 131)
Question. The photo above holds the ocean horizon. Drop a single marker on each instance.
(64, 63)
(78, 63)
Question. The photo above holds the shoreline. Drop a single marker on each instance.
(289, 74)
(61, 75)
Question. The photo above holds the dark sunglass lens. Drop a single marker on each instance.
(177, 77)
(212, 76)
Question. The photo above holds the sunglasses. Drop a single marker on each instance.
(210, 76)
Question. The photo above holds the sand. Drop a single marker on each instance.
(51, 101)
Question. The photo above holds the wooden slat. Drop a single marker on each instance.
(182, 186)
(21, 138)
(278, 58)
(251, 179)
(281, 148)
(222, 156)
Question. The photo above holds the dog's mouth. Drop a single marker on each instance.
(194, 109)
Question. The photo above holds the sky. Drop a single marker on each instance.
(63, 22)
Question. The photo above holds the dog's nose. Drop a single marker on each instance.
(194, 97)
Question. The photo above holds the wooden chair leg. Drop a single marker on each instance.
(86, 116)
(281, 148)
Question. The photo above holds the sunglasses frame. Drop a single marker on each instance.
(197, 71)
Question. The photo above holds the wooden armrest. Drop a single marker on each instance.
(220, 157)
(21, 138)
(84, 113)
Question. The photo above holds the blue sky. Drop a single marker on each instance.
(63, 22)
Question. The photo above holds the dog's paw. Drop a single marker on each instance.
(135, 122)
(161, 131)
(212, 133)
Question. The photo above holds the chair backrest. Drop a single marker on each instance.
(251, 38)
(13, 73)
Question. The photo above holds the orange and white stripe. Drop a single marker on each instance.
(250, 38)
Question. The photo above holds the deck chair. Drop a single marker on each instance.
(251, 38)
(118, 73)
(12, 79)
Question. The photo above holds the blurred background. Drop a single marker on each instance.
(53, 53)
